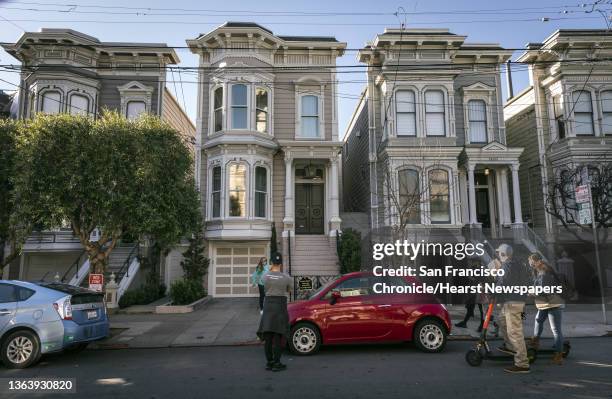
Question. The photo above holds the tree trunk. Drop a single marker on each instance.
(97, 260)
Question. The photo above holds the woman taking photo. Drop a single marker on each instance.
(257, 279)
(549, 306)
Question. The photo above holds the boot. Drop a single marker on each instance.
(558, 359)
(534, 343)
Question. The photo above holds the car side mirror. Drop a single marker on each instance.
(335, 295)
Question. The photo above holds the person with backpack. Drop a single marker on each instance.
(549, 306)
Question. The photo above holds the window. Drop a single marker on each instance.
(135, 108)
(261, 112)
(51, 102)
(310, 116)
(7, 293)
(239, 106)
(79, 104)
(583, 113)
(24, 294)
(434, 113)
(559, 117)
(237, 190)
(405, 111)
(218, 112)
(355, 286)
(409, 195)
(439, 199)
(606, 112)
(477, 114)
(216, 192)
(261, 191)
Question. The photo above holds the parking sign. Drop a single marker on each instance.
(96, 282)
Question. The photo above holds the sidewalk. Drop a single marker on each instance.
(234, 321)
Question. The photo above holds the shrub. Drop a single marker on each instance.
(142, 296)
(184, 292)
(349, 251)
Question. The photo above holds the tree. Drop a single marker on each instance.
(194, 263)
(12, 232)
(124, 178)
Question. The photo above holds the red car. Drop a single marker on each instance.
(347, 310)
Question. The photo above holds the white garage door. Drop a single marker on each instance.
(233, 268)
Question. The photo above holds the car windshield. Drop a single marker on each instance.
(323, 287)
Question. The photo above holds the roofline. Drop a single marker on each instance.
(355, 114)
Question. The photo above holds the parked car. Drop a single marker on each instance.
(45, 317)
(347, 310)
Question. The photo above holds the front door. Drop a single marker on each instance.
(482, 207)
(309, 208)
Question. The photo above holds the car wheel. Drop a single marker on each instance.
(429, 335)
(20, 349)
(305, 339)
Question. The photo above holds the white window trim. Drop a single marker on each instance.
(247, 189)
(415, 92)
(446, 108)
(135, 91)
(249, 106)
(253, 113)
(419, 172)
(489, 128)
(594, 110)
(90, 100)
(602, 127)
(451, 194)
(298, 112)
(209, 211)
(51, 89)
(486, 93)
(268, 204)
(211, 112)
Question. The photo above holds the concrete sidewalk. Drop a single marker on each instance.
(234, 321)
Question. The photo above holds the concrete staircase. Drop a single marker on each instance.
(313, 255)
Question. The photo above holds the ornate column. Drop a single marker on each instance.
(472, 193)
(334, 203)
(288, 220)
(516, 194)
(505, 196)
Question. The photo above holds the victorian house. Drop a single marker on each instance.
(67, 71)
(268, 157)
(428, 131)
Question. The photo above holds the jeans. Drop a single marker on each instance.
(554, 318)
(262, 295)
(273, 346)
(511, 327)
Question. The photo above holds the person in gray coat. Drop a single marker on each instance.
(274, 323)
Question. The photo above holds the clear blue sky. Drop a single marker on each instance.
(512, 24)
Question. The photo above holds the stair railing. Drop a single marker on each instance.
(125, 266)
(75, 265)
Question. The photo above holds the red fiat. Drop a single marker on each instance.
(348, 310)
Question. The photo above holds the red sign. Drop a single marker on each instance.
(582, 194)
(96, 282)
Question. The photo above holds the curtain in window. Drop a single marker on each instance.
(237, 190)
(261, 191)
(583, 113)
(239, 106)
(477, 114)
(51, 102)
(310, 116)
(409, 195)
(434, 113)
(439, 199)
(405, 119)
(606, 109)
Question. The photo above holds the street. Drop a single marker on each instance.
(387, 371)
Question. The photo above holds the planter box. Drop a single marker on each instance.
(169, 308)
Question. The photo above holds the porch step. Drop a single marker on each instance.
(314, 255)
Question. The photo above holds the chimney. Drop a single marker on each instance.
(509, 80)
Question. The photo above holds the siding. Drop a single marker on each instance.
(278, 192)
(109, 96)
(464, 81)
(175, 115)
(355, 165)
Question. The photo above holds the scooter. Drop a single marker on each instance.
(482, 350)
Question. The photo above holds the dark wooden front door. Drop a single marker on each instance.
(482, 207)
(309, 208)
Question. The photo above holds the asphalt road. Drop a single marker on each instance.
(388, 371)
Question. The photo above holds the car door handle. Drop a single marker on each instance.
(4, 312)
(384, 306)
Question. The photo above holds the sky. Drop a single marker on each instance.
(511, 24)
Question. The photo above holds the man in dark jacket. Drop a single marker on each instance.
(513, 305)
(274, 323)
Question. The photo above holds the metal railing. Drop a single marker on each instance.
(76, 264)
(124, 270)
(52, 237)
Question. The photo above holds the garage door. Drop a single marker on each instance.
(233, 268)
(47, 265)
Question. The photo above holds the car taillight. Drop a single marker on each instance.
(64, 308)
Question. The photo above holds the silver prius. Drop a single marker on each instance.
(45, 317)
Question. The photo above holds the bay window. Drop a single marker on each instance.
(215, 196)
(218, 109)
(559, 117)
(583, 113)
(405, 113)
(310, 116)
(434, 113)
(409, 196)
(261, 111)
(239, 107)
(477, 115)
(606, 112)
(51, 102)
(439, 196)
(237, 190)
(261, 191)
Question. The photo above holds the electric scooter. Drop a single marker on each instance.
(482, 350)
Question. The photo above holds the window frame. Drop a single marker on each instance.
(134, 101)
(592, 112)
(245, 106)
(427, 105)
(265, 192)
(215, 109)
(398, 112)
(267, 111)
(15, 294)
(559, 115)
(472, 122)
(448, 195)
(416, 173)
(81, 111)
(319, 116)
(214, 191)
(606, 128)
(60, 102)
(245, 190)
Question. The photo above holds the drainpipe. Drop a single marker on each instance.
(509, 80)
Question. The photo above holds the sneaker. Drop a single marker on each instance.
(269, 365)
(517, 370)
(506, 350)
(461, 324)
(278, 366)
